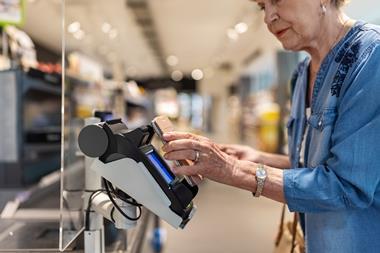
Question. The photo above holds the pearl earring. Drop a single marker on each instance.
(324, 10)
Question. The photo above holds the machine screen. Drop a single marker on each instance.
(153, 157)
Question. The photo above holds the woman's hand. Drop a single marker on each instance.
(242, 152)
(212, 162)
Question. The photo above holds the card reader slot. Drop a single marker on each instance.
(183, 193)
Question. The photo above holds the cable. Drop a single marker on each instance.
(87, 222)
(111, 215)
(116, 205)
(132, 202)
(122, 195)
(107, 190)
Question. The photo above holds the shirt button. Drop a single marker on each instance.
(320, 123)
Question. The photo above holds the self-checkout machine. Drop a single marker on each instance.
(133, 175)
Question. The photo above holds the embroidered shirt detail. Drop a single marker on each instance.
(347, 57)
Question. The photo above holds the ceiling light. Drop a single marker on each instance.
(197, 74)
(113, 34)
(74, 27)
(172, 60)
(241, 27)
(106, 27)
(79, 35)
(177, 76)
(232, 34)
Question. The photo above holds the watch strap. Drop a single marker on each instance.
(259, 182)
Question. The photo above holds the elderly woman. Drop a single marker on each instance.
(335, 119)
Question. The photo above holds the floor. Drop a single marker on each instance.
(227, 220)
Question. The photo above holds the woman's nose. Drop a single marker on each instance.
(270, 14)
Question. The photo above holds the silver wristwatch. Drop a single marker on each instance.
(261, 175)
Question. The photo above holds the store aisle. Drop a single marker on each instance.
(227, 220)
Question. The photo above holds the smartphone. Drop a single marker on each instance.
(162, 125)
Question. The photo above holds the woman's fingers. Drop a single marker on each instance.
(186, 170)
(183, 144)
(228, 148)
(209, 160)
(196, 178)
(185, 154)
(171, 136)
(224, 147)
(230, 151)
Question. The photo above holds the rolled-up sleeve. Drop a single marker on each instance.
(350, 177)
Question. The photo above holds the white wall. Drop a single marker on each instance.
(367, 10)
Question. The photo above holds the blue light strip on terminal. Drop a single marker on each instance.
(160, 167)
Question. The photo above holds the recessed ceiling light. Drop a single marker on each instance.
(177, 75)
(197, 74)
(241, 27)
(73, 27)
(172, 60)
(106, 27)
(232, 34)
(79, 35)
(113, 34)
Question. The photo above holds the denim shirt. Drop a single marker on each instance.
(338, 187)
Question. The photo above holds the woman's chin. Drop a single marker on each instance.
(290, 46)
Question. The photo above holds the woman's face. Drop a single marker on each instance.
(295, 23)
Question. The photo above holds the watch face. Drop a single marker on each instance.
(261, 173)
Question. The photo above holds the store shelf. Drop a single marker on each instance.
(46, 147)
(40, 85)
(33, 132)
(138, 101)
(77, 80)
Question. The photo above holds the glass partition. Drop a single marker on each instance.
(93, 80)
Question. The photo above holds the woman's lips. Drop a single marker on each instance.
(281, 32)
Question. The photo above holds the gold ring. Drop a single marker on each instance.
(197, 155)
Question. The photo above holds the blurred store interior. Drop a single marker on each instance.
(210, 66)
